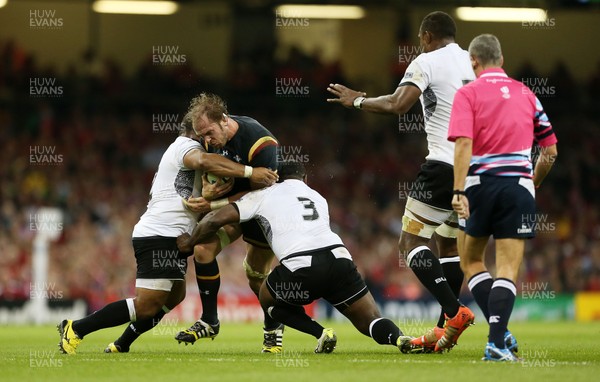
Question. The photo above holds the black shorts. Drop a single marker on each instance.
(253, 234)
(333, 278)
(433, 185)
(501, 206)
(157, 257)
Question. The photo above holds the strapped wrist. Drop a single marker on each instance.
(216, 204)
(248, 171)
(459, 192)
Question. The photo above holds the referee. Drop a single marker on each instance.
(494, 122)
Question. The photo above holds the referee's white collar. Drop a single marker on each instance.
(494, 74)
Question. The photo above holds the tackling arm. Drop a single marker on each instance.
(220, 166)
(207, 227)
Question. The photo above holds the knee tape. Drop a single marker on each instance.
(411, 224)
(251, 273)
(447, 231)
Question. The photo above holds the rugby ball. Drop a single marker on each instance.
(212, 179)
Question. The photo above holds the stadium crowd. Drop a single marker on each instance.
(105, 133)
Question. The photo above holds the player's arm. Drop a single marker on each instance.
(544, 163)
(207, 227)
(399, 102)
(204, 205)
(220, 166)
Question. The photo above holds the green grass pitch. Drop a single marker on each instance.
(562, 351)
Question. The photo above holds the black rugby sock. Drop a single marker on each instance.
(209, 282)
(113, 314)
(481, 286)
(384, 331)
(295, 317)
(455, 277)
(500, 305)
(136, 329)
(428, 270)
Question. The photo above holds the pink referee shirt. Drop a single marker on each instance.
(502, 116)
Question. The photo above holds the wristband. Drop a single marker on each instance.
(216, 204)
(459, 192)
(358, 102)
(248, 171)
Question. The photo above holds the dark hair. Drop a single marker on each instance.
(291, 170)
(185, 127)
(439, 24)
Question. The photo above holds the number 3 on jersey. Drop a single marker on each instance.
(309, 205)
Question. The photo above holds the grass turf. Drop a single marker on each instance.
(552, 351)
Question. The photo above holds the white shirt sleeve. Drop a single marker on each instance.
(249, 205)
(186, 146)
(417, 74)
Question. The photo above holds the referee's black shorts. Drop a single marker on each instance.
(157, 257)
(328, 276)
(501, 206)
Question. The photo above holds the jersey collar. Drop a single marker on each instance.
(493, 72)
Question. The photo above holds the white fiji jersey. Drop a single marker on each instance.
(165, 214)
(293, 216)
(439, 74)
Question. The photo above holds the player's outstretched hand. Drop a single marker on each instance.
(460, 204)
(263, 176)
(217, 189)
(345, 96)
(183, 243)
(198, 204)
